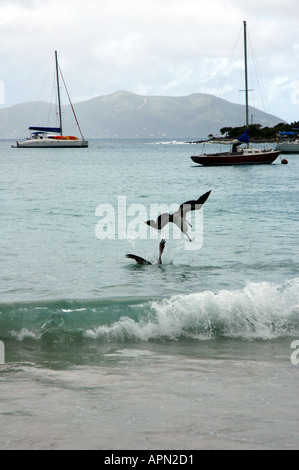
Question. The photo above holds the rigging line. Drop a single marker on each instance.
(75, 116)
(293, 84)
(51, 102)
(260, 83)
(37, 102)
(224, 78)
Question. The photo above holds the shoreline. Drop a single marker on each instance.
(228, 141)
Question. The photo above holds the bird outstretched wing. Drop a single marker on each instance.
(161, 249)
(193, 205)
(138, 259)
(162, 245)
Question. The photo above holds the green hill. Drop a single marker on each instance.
(127, 115)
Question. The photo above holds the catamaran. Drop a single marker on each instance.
(242, 156)
(288, 146)
(52, 137)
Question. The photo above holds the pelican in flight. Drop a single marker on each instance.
(179, 217)
(142, 261)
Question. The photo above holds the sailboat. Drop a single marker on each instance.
(52, 137)
(242, 156)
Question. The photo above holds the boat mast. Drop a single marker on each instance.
(246, 75)
(58, 93)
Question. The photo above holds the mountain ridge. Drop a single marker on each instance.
(125, 114)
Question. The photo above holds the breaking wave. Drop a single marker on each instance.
(258, 311)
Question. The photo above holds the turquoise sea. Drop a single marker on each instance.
(101, 353)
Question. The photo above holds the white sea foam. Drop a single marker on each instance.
(24, 333)
(259, 311)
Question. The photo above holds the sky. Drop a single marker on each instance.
(152, 47)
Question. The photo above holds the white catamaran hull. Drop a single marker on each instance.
(288, 147)
(51, 143)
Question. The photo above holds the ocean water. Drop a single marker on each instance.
(101, 353)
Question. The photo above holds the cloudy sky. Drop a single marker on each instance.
(152, 47)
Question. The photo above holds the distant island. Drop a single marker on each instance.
(127, 115)
(257, 132)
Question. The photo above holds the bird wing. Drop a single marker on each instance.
(138, 259)
(193, 205)
(162, 246)
(162, 220)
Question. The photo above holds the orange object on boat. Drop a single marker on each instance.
(64, 137)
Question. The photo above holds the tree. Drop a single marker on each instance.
(256, 131)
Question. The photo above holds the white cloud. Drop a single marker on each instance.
(174, 47)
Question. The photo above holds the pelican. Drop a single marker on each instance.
(142, 261)
(179, 217)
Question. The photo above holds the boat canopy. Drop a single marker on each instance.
(288, 133)
(45, 129)
(244, 137)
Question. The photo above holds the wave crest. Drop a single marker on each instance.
(259, 311)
